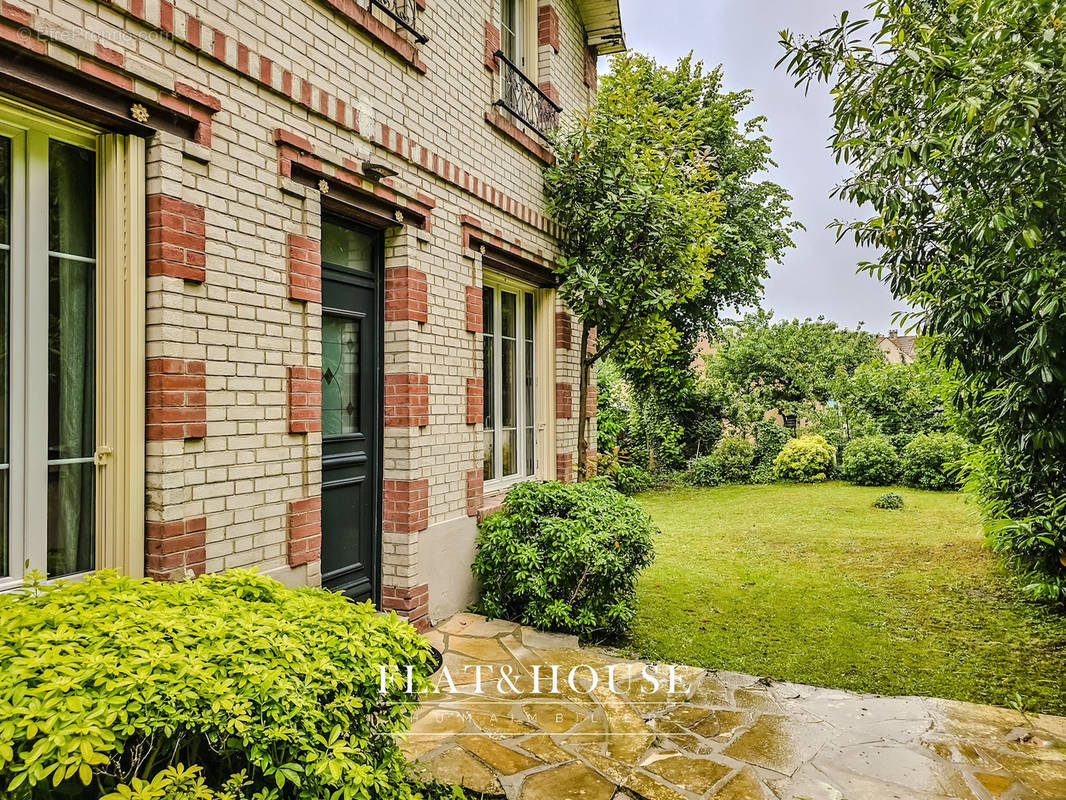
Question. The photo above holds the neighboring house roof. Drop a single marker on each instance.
(904, 344)
(603, 25)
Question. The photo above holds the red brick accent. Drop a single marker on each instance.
(406, 400)
(549, 89)
(412, 603)
(475, 401)
(172, 548)
(564, 467)
(176, 399)
(305, 399)
(365, 21)
(305, 531)
(548, 27)
(406, 295)
(492, 46)
(591, 68)
(475, 319)
(519, 137)
(563, 401)
(405, 506)
(564, 330)
(475, 491)
(176, 238)
(590, 402)
(591, 345)
(305, 269)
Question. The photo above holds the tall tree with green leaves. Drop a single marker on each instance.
(952, 117)
(632, 185)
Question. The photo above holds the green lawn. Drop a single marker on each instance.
(812, 584)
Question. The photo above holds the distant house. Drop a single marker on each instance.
(897, 349)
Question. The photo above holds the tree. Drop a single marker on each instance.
(631, 182)
(952, 117)
(791, 365)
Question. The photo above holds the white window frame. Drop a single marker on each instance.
(543, 379)
(525, 32)
(120, 337)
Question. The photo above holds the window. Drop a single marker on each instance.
(56, 318)
(518, 26)
(510, 361)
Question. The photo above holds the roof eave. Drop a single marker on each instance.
(603, 25)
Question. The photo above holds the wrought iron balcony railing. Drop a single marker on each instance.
(404, 13)
(524, 99)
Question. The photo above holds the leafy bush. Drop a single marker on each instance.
(109, 680)
(702, 471)
(564, 557)
(630, 479)
(770, 439)
(870, 461)
(807, 459)
(736, 457)
(931, 461)
(889, 500)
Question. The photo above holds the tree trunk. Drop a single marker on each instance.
(582, 395)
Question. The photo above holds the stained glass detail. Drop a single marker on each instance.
(341, 339)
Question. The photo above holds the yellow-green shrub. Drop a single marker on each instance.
(806, 460)
(110, 679)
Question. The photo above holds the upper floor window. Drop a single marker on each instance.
(512, 32)
(519, 92)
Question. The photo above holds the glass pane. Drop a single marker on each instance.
(490, 455)
(530, 416)
(340, 375)
(509, 32)
(488, 338)
(508, 355)
(71, 357)
(345, 248)
(5, 334)
(510, 452)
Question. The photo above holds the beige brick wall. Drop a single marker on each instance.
(256, 58)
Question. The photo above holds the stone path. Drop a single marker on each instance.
(718, 735)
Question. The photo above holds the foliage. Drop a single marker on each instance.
(789, 365)
(631, 479)
(611, 406)
(933, 461)
(703, 471)
(736, 458)
(889, 501)
(870, 461)
(564, 557)
(807, 459)
(950, 115)
(770, 439)
(108, 680)
(812, 584)
(632, 182)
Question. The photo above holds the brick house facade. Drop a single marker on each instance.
(320, 324)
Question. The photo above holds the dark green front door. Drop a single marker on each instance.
(352, 403)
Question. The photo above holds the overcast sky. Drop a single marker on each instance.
(818, 276)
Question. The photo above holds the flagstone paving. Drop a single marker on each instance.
(716, 736)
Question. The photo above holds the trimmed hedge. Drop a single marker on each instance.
(736, 459)
(870, 461)
(109, 680)
(807, 459)
(564, 557)
(930, 461)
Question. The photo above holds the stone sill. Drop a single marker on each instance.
(511, 131)
(490, 504)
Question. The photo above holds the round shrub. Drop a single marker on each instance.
(226, 674)
(807, 459)
(889, 500)
(631, 479)
(564, 557)
(702, 471)
(736, 458)
(929, 461)
(870, 461)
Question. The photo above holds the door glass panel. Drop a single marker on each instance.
(71, 357)
(345, 248)
(488, 338)
(5, 340)
(509, 382)
(341, 340)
